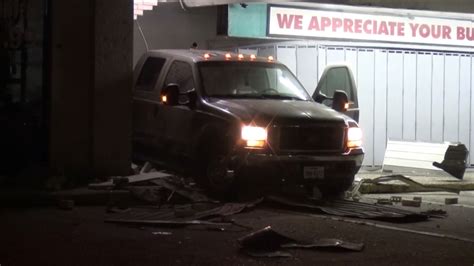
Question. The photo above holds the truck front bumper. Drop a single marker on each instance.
(291, 167)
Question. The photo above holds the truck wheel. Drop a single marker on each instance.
(214, 174)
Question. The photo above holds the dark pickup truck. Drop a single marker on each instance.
(220, 115)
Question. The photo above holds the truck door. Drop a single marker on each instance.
(338, 77)
(145, 107)
(179, 118)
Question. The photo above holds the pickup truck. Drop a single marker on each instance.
(219, 115)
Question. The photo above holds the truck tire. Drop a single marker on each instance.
(213, 173)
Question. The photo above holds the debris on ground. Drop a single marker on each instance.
(411, 203)
(384, 201)
(134, 179)
(162, 233)
(381, 185)
(352, 209)
(436, 213)
(396, 199)
(454, 162)
(268, 243)
(182, 189)
(165, 222)
(450, 201)
(228, 209)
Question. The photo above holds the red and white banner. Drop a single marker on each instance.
(290, 21)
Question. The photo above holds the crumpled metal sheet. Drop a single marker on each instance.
(268, 243)
(354, 209)
(327, 243)
(227, 209)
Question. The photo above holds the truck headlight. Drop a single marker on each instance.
(354, 137)
(254, 136)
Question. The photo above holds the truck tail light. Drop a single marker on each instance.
(354, 137)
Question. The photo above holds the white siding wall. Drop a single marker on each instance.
(408, 95)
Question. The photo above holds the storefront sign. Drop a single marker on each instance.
(301, 22)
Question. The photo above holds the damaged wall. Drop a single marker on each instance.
(168, 26)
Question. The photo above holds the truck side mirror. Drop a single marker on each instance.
(188, 98)
(170, 94)
(320, 97)
(340, 101)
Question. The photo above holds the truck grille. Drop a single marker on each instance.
(311, 138)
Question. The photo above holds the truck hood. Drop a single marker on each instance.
(278, 111)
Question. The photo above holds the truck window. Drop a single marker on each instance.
(181, 73)
(337, 79)
(149, 74)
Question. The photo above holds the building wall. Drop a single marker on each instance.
(168, 26)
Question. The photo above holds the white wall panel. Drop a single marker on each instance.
(409, 96)
(380, 106)
(423, 97)
(287, 55)
(352, 61)
(437, 98)
(335, 55)
(322, 60)
(395, 96)
(471, 146)
(451, 98)
(307, 67)
(366, 101)
(266, 51)
(464, 99)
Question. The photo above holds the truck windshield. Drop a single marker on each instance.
(258, 80)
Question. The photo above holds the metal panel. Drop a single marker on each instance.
(409, 96)
(451, 98)
(307, 66)
(472, 112)
(380, 106)
(423, 97)
(395, 96)
(287, 55)
(366, 99)
(351, 59)
(437, 99)
(335, 55)
(464, 99)
(322, 57)
(266, 51)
